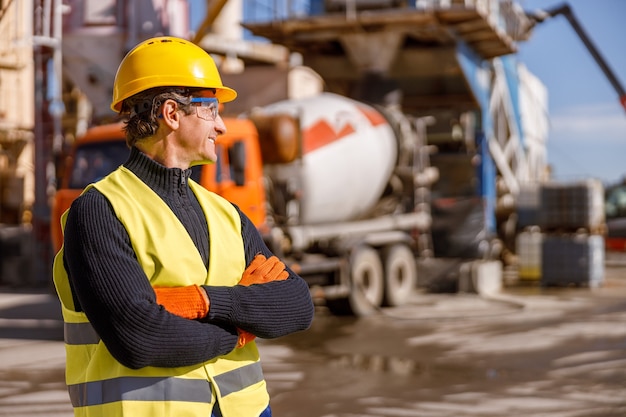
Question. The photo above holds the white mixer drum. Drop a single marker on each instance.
(349, 152)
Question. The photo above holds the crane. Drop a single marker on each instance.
(565, 10)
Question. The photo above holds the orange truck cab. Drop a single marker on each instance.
(237, 175)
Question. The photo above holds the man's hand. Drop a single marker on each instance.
(190, 302)
(262, 270)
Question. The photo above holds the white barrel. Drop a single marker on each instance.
(349, 152)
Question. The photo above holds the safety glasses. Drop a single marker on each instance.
(206, 107)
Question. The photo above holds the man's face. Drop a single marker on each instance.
(199, 129)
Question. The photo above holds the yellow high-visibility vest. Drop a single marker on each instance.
(100, 386)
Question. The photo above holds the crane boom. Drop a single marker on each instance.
(566, 11)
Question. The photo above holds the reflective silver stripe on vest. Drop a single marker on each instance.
(80, 334)
(151, 388)
(140, 389)
(239, 378)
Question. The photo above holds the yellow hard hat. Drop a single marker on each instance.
(167, 61)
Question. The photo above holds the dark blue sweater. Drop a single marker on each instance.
(110, 286)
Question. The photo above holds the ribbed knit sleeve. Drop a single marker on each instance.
(269, 310)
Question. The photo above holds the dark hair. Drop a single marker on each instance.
(143, 110)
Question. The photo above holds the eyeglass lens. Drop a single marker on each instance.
(207, 108)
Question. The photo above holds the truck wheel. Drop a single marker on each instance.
(366, 282)
(400, 274)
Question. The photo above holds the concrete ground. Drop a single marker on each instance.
(525, 351)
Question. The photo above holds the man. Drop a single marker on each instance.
(164, 285)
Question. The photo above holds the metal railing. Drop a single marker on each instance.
(504, 15)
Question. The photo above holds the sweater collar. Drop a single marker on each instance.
(158, 177)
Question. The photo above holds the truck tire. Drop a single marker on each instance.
(400, 274)
(366, 282)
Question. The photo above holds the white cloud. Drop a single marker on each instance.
(588, 141)
(603, 122)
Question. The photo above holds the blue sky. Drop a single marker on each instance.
(587, 135)
(587, 123)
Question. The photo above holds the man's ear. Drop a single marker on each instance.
(170, 114)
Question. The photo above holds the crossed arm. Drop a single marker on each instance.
(110, 286)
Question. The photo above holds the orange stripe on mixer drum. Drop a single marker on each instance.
(373, 116)
(322, 133)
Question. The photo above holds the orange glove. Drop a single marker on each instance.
(262, 270)
(259, 271)
(244, 337)
(190, 302)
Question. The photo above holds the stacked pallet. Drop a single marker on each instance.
(560, 241)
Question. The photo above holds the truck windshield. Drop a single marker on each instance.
(95, 160)
(615, 204)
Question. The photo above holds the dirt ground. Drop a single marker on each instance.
(526, 351)
(530, 351)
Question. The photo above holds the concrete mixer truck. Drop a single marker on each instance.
(339, 190)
